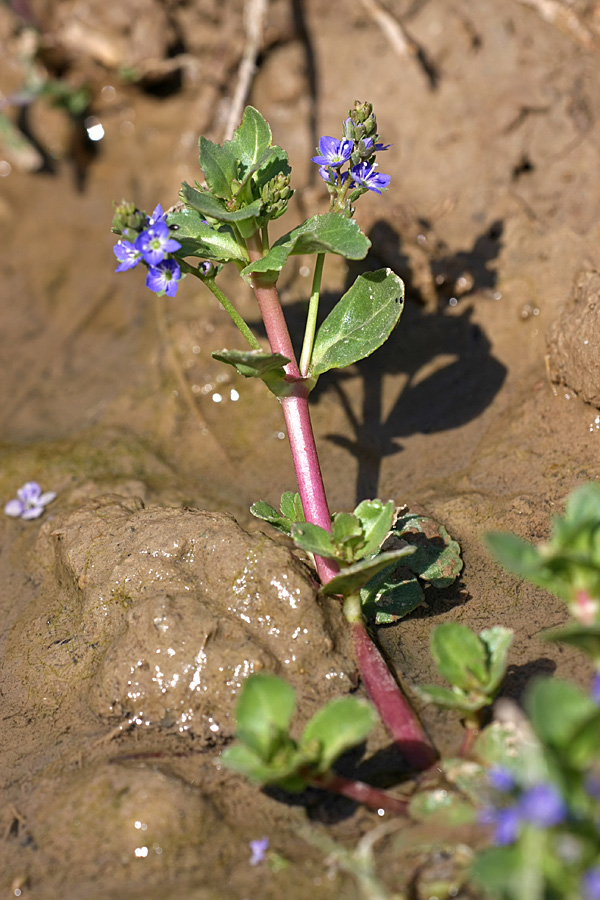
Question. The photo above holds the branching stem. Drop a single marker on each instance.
(311, 319)
(228, 307)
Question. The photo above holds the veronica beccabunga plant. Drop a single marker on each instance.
(225, 220)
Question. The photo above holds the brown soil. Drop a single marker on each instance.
(481, 409)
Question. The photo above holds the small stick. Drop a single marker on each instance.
(254, 16)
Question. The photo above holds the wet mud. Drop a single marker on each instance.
(133, 609)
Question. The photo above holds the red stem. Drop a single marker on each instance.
(379, 682)
(361, 793)
(296, 413)
(391, 703)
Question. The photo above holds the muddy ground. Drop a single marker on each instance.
(482, 409)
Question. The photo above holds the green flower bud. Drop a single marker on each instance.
(275, 194)
(128, 219)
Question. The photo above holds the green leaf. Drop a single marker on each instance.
(519, 557)
(266, 513)
(282, 772)
(263, 713)
(497, 872)
(360, 323)
(437, 558)
(204, 202)
(240, 758)
(497, 640)
(583, 504)
(273, 162)
(558, 710)
(353, 577)
(250, 139)
(197, 238)
(385, 601)
(291, 506)
(338, 726)
(584, 637)
(314, 539)
(328, 233)
(450, 699)
(220, 168)
(345, 527)
(512, 745)
(459, 655)
(376, 519)
(291, 512)
(469, 777)
(252, 363)
(441, 807)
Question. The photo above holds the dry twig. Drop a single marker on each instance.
(254, 18)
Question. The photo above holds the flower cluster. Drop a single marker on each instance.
(541, 805)
(30, 502)
(151, 245)
(357, 149)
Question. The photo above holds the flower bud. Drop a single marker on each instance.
(128, 219)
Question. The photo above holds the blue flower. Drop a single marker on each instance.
(163, 278)
(157, 216)
(366, 176)
(30, 503)
(590, 884)
(333, 152)
(506, 822)
(542, 805)
(324, 173)
(155, 243)
(127, 255)
(595, 689)
(368, 145)
(258, 849)
(501, 779)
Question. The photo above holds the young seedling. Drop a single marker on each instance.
(226, 220)
(567, 565)
(475, 667)
(266, 753)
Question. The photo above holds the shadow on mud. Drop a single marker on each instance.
(435, 373)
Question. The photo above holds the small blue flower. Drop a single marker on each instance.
(506, 822)
(324, 173)
(157, 216)
(595, 689)
(258, 849)
(127, 255)
(590, 884)
(164, 278)
(333, 152)
(155, 243)
(542, 805)
(366, 176)
(592, 786)
(368, 145)
(30, 503)
(501, 779)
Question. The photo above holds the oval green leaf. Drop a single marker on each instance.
(360, 323)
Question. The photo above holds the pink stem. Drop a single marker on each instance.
(391, 703)
(296, 413)
(379, 682)
(361, 793)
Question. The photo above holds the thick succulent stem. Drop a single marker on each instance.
(296, 413)
(391, 703)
